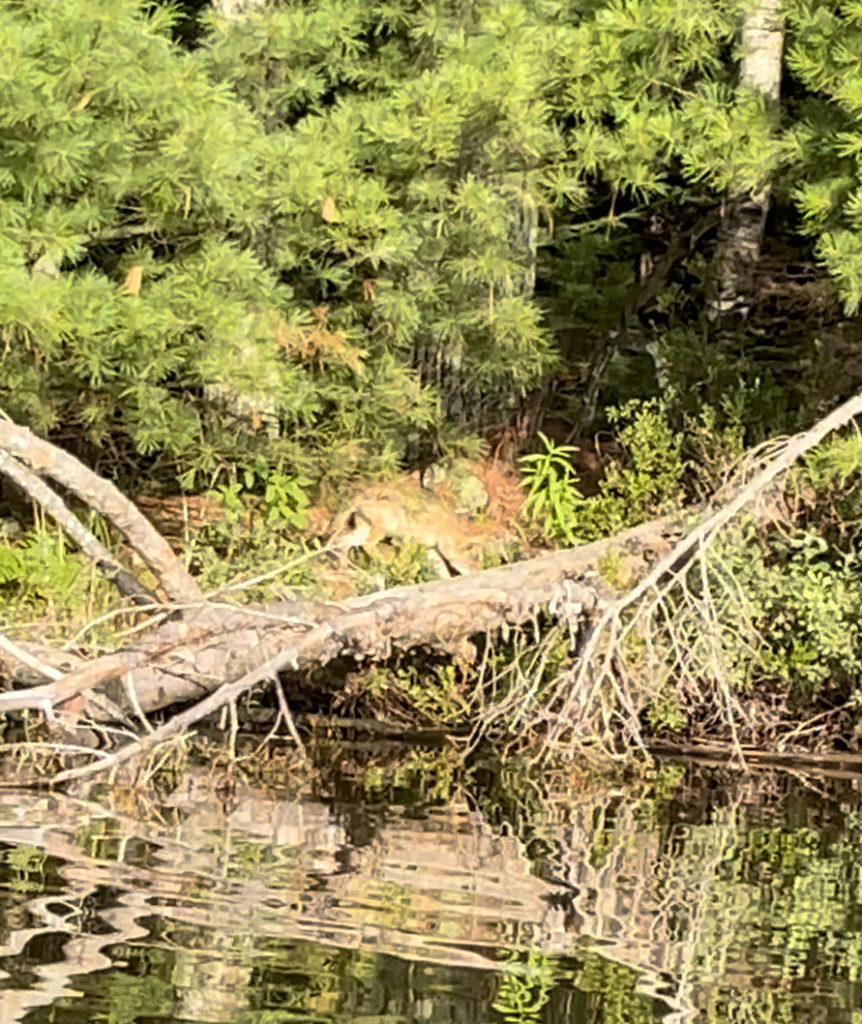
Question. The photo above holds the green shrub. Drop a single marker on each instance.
(553, 499)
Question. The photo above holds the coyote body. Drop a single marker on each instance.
(408, 513)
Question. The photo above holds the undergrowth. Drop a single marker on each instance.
(783, 632)
(772, 613)
(43, 580)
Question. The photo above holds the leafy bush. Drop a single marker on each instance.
(648, 483)
(40, 575)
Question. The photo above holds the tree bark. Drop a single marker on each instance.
(102, 496)
(104, 561)
(217, 652)
(184, 660)
(744, 216)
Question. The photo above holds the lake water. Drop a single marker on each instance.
(700, 896)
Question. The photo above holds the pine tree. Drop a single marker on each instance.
(318, 231)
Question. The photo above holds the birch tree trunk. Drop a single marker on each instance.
(744, 216)
(255, 410)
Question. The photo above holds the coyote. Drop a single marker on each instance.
(407, 512)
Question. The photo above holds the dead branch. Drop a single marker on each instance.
(583, 690)
(36, 489)
(288, 658)
(28, 659)
(217, 652)
(184, 660)
(49, 460)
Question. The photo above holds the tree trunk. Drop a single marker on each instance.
(744, 216)
(215, 653)
(184, 660)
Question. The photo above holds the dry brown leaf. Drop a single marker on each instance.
(327, 209)
(333, 346)
(132, 284)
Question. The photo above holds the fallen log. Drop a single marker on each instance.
(185, 659)
(211, 653)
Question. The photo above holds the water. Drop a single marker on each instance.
(702, 896)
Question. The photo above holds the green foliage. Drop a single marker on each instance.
(225, 556)
(615, 985)
(792, 617)
(834, 469)
(665, 713)
(306, 196)
(395, 565)
(429, 689)
(333, 207)
(419, 777)
(649, 483)
(611, 568)
(254, 532)
(312, 239)
(823, 145)
(285, 500)
(813, 631)
(714, 442)
(25, 870)
(41, 574)
(553, 499)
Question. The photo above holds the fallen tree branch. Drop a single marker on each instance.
(580, 688)
(217, 652)
(49, 460)
(36, 489)
(25, 657)
(213, 644)
(288, 658)
(47, 697)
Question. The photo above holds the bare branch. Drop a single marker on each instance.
(26, 658)
(584, 684)
(101, 495)
(36, 488)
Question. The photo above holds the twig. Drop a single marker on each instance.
(234, 728)
(284, 659)
(693, 545)
(131, 693)
(19, 654)
(284, 711)
(805, 727)
(252, 581)
(56, 748)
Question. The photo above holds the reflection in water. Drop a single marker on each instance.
(729, 903)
